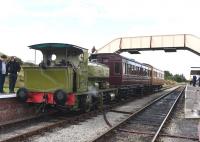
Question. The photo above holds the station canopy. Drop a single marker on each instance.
(168, 43)
(195, 71)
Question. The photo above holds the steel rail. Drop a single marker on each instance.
(26, 119)
(50, 126)
(131, 116)
(161, 135)
(169, 112)
(59, 123)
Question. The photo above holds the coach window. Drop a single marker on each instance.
(145, 72)
(141, 71)
(123, 65)
(133, 69)
(137, 70)
(99, 60)
(126, 68)
(117, 68)
(149, 73)
(105, 60)
(127, 65)
(129, 69)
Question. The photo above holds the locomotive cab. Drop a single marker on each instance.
(61, 75)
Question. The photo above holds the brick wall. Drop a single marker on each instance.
(11, 110)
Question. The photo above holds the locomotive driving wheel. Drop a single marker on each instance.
(60, 97)
(86, 103)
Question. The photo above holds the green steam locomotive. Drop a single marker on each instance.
(68, 81)
(65, 79)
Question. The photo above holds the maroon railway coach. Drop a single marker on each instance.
(129, 75)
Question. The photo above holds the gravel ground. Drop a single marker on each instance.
(88, 130)
(22, 129)
(179, 125)
(83, 132)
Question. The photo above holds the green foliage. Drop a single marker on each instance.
(179, 78)
(168, 75)
(176, 77)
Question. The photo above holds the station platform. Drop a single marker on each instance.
(7, 95)
(192, 102)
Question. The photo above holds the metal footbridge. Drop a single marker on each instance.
(168, 43)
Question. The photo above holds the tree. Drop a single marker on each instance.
(168, 75)
(176, 77)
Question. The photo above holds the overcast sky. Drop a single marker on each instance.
(96, 22)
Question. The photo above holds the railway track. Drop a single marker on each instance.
(20, 130)
(23, 131)
(146, 123)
